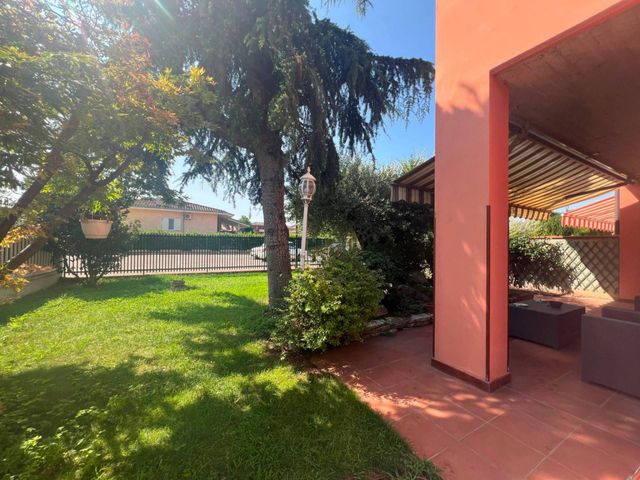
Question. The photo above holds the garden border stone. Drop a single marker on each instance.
(380, 326)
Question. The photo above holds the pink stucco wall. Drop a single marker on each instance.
(474, 38)
(629, 241)
(151, 220)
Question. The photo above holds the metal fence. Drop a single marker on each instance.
(42, 257)
(178, 253)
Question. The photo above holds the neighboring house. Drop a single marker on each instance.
(257, 227)
(186, 217)
(230, 225)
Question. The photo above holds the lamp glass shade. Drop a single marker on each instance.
(307, 186)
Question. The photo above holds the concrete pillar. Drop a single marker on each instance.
(629, 241)
(471, 286)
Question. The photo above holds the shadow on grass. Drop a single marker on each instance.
(80, 421)
(208, 403)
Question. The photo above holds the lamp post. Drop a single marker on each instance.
(307, 189)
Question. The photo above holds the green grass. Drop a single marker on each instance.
(130, 380)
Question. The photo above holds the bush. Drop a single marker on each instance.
(537, 264)
(92, 259)
(329, 305)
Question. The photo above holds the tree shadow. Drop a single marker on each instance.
(81, 421)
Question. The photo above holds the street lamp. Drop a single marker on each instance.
(307, 189)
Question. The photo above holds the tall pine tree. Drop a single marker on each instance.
(291, 89)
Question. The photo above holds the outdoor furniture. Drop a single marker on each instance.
(621, 314)
(611, 352)
(540, 323)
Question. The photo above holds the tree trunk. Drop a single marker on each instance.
(271, 163)
(51, 166)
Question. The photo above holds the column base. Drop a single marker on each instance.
(487, 386)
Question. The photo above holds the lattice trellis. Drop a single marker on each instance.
(595, 262)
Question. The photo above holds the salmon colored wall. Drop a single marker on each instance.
(473, 39)
(151, 220)
(629, 241)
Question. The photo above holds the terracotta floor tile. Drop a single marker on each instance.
(551, 470)
(425, 438)
(545, 406)
(415, 393)
(482, 404)
(390, 408)
(415, 366)
(572, 385)
(616, 423)
(387, 375)
(455, 420)
(625, 452)
(625, 405)
(532, 432)
(589, 462)
(547, 415)
(504, 451)
(461, 463)
(560, 401)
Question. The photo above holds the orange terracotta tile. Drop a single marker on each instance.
(545, 406)
(624, 405)
(534, 433)
(616, 423)
(547, 415)
(502, 450)
(482, 404)
(461, 463)
(551, 470)
(626, 453)
(390, 408)
(415, 366)
(589, 462)
(560, 401)
(425, 438)
(387, 375)
(455, 420)
(572, 385)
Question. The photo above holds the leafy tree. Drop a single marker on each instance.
(80, 106)
(289, 87)
(245, 220)
(360, 205)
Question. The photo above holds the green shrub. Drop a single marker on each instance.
(88, 259)
(329, 305)
(537, 264)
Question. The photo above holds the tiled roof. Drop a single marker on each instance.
(184, 206)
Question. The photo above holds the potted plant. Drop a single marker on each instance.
(98, 226)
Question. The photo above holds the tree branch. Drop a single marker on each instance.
(52, 164)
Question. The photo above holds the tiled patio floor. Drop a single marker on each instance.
(545, 425)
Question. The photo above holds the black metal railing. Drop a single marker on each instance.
(175, 253)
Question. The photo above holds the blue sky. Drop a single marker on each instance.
(402, 28)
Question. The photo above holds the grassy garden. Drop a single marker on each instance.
(132, 380)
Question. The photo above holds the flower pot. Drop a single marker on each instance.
(95, 229)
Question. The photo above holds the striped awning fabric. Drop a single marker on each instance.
(417, 185)
(600, 215)
(544, 175)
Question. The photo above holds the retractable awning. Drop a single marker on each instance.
(600, 215)
(544, 175)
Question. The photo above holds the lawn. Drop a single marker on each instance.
(131, 380)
